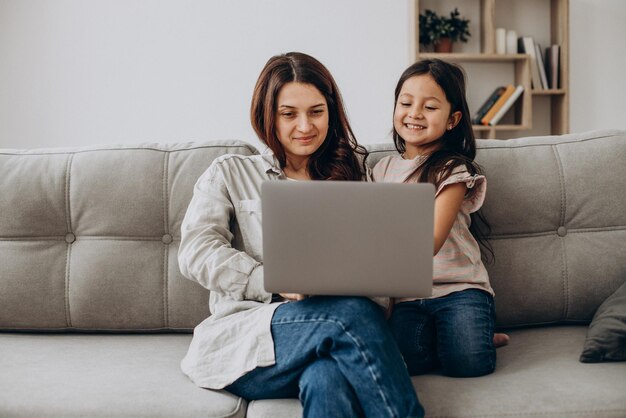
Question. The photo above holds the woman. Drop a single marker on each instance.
(335, 353)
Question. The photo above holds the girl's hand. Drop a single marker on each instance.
(293, 296)
(389, 310)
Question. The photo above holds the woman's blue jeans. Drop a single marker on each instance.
(338, 356)
(454, 333)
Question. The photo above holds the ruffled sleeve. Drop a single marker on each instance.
(476, 188)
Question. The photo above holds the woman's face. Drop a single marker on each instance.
(301, 120)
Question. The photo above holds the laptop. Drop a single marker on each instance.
(348, 238)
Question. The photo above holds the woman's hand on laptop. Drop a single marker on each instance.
(293, 296)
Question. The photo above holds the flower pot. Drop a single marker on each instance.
(444, 45)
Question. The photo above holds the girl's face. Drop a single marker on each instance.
(301, 120)
(422, 115)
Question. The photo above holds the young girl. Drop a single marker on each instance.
(432, 132)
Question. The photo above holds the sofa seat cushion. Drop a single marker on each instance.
(538, 375)
(69, 375)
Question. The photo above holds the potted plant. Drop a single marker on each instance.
(442, 31)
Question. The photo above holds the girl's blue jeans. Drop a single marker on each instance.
(336, 354)
(453, 333)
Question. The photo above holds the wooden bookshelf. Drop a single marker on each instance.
(559, 34)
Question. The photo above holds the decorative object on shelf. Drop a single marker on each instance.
(501, 41)
(442, 31)
(511, 42)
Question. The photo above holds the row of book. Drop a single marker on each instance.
(544, 72)
(497, 104)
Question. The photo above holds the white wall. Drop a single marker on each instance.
(75, 72)
(598, 64)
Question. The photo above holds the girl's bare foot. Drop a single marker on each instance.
(500, 339)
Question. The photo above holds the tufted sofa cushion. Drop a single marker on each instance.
(89, 237)
(557, 207)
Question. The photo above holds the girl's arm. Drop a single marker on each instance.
(447, 205)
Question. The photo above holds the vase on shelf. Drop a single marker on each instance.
(444, 45)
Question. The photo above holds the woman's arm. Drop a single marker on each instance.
(206, 254)
(447, 205)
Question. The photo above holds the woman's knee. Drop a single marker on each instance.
(358, 309)
(348, 313)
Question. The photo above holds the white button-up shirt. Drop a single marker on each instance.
(221, 248)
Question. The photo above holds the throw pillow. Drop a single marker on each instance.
(606, 337)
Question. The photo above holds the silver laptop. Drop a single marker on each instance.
(348, 238)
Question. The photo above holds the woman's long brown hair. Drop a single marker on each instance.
(458, 145)
(340, 157)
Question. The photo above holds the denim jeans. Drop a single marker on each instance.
(338, 356)
(454, 333)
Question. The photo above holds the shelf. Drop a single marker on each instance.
(554, 119)
(550, 92)
(500, 127)
(475, 57)
(491, 131)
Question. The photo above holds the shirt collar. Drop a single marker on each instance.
(416, 161)
(270, 162)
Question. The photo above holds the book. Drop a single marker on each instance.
(507, 105)
(541, 67)
(552, 64)
(498, 104)
(526, 45)
(482, 111)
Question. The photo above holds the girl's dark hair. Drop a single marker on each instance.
(457, 146)
(340, 157)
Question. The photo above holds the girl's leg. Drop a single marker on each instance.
(350, 331)
(465, 324)
(414, 331)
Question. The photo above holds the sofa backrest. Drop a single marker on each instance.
(557, 208)
(89, 237)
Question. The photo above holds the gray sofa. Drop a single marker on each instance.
(95, 316)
